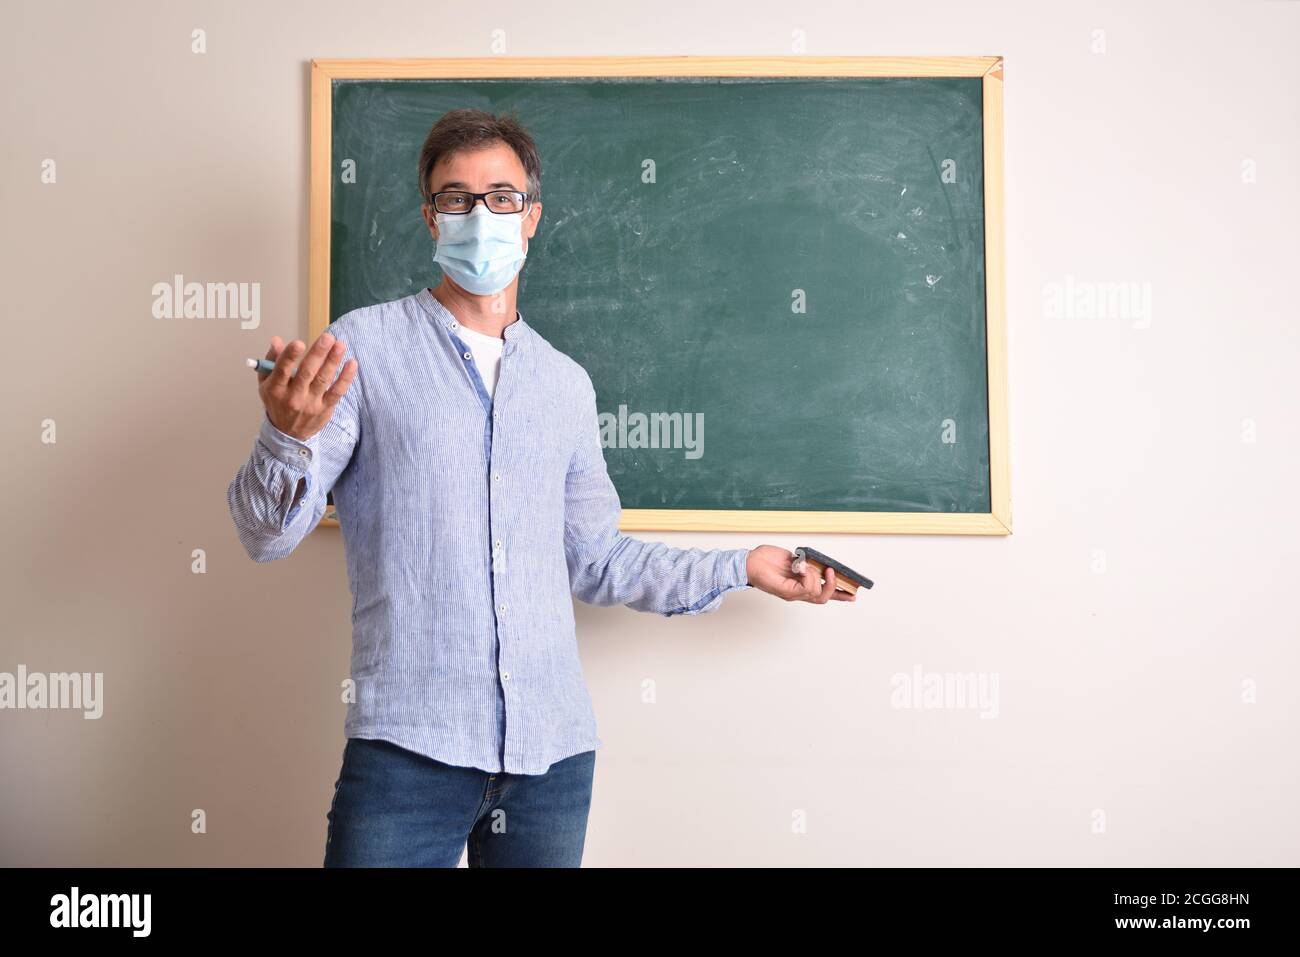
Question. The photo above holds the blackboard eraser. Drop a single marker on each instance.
(846, 579)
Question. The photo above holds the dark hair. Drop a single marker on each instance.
(468, 129)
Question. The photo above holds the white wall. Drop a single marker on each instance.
(1120, 691)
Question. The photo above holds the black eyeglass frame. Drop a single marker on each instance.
(475, 197)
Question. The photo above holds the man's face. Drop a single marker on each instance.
(493, 167)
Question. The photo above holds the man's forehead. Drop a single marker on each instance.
(498, 163)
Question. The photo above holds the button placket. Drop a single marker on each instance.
(498, 544)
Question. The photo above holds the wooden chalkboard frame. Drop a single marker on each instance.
(997, 521)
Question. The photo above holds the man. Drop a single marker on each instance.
(474, 503)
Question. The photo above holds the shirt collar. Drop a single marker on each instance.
(515, 334)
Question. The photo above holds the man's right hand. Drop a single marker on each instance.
(301, 405)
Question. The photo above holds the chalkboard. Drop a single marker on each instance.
(779, 284)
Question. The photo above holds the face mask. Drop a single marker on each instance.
(481, 251)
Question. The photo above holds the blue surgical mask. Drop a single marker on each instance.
(481, 251)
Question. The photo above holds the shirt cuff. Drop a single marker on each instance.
(735, 573)
(731, 576)
(295, 453)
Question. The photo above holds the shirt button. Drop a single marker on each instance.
(498, 543)
(468, 356)
(503, 609)
(496, 477)
(455, 324)
(303, 452)
(505, 676)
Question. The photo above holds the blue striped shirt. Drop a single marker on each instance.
(468, 524)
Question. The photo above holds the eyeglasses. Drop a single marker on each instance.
(497, 201)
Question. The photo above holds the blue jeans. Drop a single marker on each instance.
(395, 808)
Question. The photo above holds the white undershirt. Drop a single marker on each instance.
(487, 355)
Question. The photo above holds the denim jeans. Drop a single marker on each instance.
(395, 808)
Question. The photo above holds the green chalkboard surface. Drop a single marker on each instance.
(793, 266)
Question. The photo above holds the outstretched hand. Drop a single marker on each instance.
(769, 570)
(300, 404)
